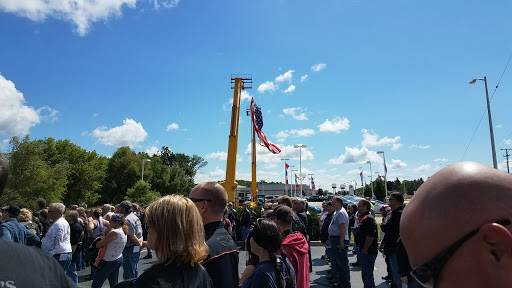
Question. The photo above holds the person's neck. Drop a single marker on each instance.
(264, 256)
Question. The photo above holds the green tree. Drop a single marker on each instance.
(320, 192)
(123, 171)
(31, 175)
(367, 191)
(378, 189)
(141, 193)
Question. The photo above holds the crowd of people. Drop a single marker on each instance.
(194, 238)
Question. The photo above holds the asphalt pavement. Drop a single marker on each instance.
(317, 277)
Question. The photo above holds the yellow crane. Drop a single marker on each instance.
(238, 83)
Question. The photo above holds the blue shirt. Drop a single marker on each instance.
(264, 275)
(13, 231)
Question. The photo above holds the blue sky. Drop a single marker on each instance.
(345, 78)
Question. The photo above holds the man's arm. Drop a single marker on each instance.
(343, 227)
(5, 233)
(367, 243)
(134, 240)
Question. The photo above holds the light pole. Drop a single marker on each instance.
(285, 175)
(300, 146)
(371, 180)
(404, 185)
(490, 120)
(385, 173)
(144, 160)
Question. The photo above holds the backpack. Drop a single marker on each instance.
(32, 227)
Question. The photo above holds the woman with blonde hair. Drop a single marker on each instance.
(25, 219)
(176, 235)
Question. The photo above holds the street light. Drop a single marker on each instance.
(144, 160)
(371, 180)
(490, 121)
(385, 173)
(300, 146)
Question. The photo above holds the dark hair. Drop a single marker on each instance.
(283, 213)
(41, 203)
(268, 236)
(366, 204)
(354, 207)
(398, 197)
(253, 258)
(4, 173)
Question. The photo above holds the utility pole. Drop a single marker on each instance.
(507, 155)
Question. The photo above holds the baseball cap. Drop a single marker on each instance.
(117, 218)
(126, 204)
(12, 210)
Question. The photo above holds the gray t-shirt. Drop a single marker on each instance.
(339, 217)
(134, 227)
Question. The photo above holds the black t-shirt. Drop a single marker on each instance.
(48, 272)
(75, 237)
(367, 228)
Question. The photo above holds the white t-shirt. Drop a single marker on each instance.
(115, 248)
(57, 239)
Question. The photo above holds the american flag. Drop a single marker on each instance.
(286, 166)
(296, 184)
(312, 183)
(361, 174)
(257, 120)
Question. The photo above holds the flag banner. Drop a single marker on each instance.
(361, 174)
(380, 177)
(257, 121)
(312, 184)
(385, 169)
(286, 166)
(296, 184)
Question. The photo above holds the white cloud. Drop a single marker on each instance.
(372, 140)
(215, 175)
(48, 114)
(245, 96)
(281, 136)
(395, 164)
(285, 77)
(291, 112)
(130, 134)
(267, 86)
(173, 127)
(153, 151)
(81, 13)
(336, 125)
(440, 160)
(16, 118)
(318, 67)
(422, 168)
(419, 146)
(4, 144)
(290, 89)
(499, 126)
(272, 160)
(217, 155)
(356, 155)
(303, 78)
(507, 142)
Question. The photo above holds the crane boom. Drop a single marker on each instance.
(230, 182)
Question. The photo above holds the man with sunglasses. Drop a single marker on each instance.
(391, 231)
(452, 244)
(221, 263)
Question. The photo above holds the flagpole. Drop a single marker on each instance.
(285, 176)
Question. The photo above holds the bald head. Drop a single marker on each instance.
(216, 199)
(450, 204)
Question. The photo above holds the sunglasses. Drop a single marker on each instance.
(428, 273)
(195, 200)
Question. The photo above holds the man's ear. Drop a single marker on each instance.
(497, 242)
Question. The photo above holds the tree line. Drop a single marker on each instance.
(61, 171)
